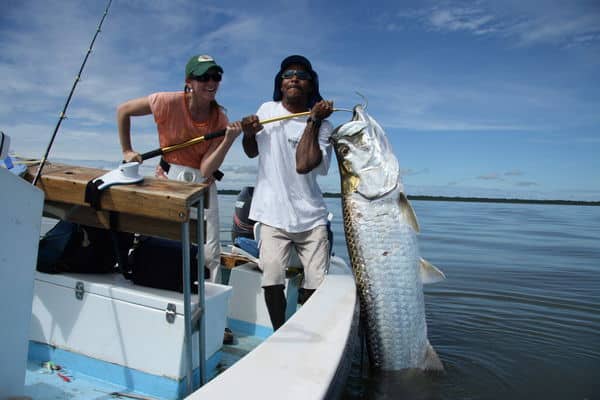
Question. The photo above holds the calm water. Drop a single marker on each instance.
(519, 314)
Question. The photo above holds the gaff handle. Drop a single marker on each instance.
(168, 149)
(151, 154)
(213, 135)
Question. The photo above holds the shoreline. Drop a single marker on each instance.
(465, 199)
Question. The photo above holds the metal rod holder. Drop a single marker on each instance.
(187, 306)
(201, 292)
(194, 319)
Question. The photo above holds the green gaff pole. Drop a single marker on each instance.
(63, 113)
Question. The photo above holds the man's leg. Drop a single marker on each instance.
(304, 294)
(276, 304)
(313, 251)
(275, 249)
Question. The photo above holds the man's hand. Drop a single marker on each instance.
(321, 110)
(251, 125)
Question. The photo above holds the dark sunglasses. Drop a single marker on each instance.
(215, 76)
(302, 75)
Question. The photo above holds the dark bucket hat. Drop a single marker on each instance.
(297, 59)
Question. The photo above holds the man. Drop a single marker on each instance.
(287, 200)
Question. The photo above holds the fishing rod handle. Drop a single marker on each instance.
(152, 153)
(167, 149)
(216, 134)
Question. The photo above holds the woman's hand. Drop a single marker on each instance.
(160, 173)
(233, 130)
(130, 155)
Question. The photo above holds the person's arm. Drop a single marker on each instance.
(215, 158)
(308, 152)
(251, 126)
(125, 111)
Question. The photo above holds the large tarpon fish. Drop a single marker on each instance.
(381, 234)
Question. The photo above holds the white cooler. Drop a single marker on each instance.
(106, 317)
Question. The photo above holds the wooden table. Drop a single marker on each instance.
(153, 207)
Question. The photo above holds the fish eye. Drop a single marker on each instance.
(344, 150)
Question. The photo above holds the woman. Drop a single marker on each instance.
(181, 116)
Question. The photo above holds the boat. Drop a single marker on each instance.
(101, 336)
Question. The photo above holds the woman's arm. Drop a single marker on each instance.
(125, 111)
(215, 157)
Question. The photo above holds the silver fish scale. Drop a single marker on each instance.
(389, 284)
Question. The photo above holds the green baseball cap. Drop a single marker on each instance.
(198, 65)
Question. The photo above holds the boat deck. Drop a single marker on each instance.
(242, 345)
(41, 383)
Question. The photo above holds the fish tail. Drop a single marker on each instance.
(432, 362)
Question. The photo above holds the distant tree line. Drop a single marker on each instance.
(467, 199)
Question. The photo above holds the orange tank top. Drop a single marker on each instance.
(175, 125)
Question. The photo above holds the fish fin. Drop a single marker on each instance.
(432, 362)
(430, 273)
(408, 212)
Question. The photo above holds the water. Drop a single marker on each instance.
(519, 314)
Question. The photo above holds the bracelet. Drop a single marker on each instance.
(314, 120)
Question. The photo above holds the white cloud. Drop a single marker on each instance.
(526, 184)
(524, 23)
(461, 19)
(566, 29)
(515, 172)
(490, 177)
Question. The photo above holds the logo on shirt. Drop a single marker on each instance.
(293, 142)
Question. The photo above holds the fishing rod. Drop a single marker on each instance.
(62, 114)
(167, 149)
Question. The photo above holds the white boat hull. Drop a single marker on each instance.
(307, 358)
(20, 220)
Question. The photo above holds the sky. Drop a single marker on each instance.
(478, 98)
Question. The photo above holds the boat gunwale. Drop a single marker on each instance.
(306, 356)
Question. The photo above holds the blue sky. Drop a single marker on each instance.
(478, 98)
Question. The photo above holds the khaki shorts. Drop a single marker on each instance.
(275, 249)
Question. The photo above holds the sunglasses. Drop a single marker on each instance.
(302, 75)
(215, 76)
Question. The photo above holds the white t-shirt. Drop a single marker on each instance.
(282, 197)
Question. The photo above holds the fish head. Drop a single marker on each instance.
(366, 161)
